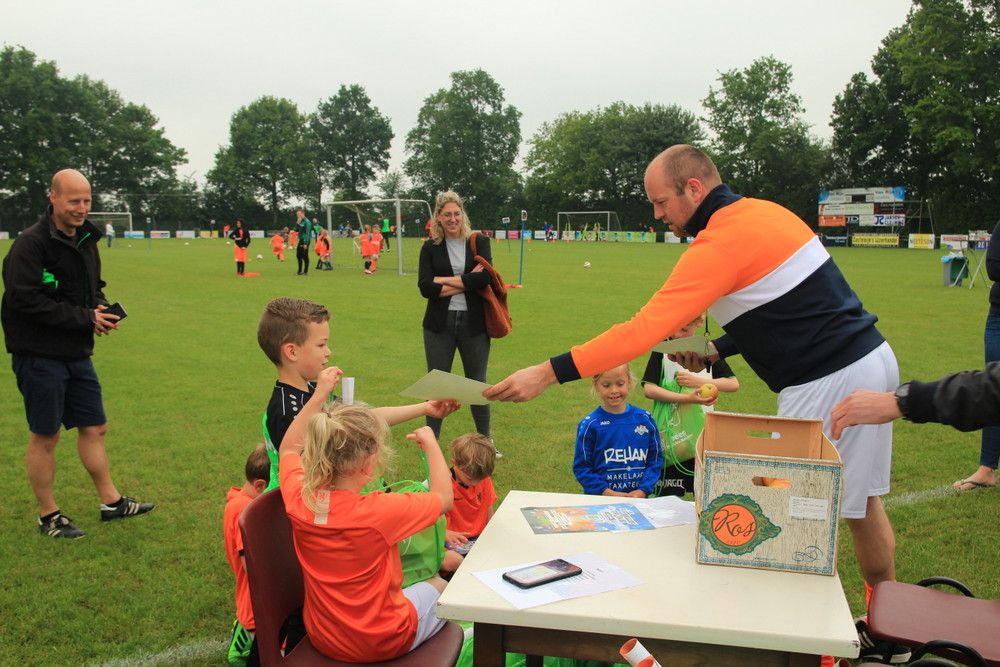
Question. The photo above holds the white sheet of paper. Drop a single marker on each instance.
(666, 511)
(697, 344)
(598, 576)
(438, 385)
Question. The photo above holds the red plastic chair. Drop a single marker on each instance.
(916, 615)
(276, 592)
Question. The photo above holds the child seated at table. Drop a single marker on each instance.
(347, 542)
(617, 445)
(473, 458)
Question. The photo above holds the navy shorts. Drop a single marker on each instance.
(58, 392)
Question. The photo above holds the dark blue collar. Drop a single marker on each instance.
(720, 196)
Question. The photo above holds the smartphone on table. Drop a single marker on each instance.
(543, 573)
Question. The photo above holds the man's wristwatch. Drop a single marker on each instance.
(903, 398)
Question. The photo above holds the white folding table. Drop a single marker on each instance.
(685, 613)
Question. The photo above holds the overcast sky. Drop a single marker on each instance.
(195, 62)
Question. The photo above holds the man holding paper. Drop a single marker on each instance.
(784, 305)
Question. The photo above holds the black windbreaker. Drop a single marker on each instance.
(52, 284)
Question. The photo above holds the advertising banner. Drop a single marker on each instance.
(875, 241)
(955, 241)
(922, 241)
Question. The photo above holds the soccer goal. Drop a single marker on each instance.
(121, 222)
(592, 225)
(403, 216)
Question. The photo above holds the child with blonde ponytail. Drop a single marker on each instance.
(355, 607)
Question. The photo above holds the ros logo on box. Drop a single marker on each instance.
(735, 524)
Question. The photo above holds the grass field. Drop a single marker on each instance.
(185, 385)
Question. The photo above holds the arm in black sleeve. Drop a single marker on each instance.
(967, 401)
(477, 280)
(101, 284)
(34, 298)
(654, 369)
(993, 255)
(425, 273)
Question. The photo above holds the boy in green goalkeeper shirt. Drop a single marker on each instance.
(294, 334)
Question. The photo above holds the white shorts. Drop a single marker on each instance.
(424, 598)
(865, 449)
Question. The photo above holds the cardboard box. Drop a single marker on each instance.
(767, 493)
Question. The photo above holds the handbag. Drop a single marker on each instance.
(494, 296)
(422, 553)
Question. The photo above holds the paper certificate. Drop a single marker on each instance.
(438, 385)
(697, 344)
(586, 518)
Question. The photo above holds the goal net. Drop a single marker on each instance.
(121, 222)
(587, 225)
(405, 219)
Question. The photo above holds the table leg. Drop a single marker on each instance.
(487, 645)
(533, 660)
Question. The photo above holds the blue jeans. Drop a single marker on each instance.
(439, 349)
(989, 454)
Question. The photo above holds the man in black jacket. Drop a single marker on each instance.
(53, 305)
(967, 401)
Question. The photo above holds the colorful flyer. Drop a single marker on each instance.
(615, 517)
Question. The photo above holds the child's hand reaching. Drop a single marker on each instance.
(689, 379)
(424, 437)
(327, 380)
(638, 493)
(441, 409)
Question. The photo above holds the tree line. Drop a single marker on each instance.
(928, 118)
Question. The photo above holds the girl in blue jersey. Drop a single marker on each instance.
(618, 449)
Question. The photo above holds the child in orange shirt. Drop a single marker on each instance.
(371, 241)
(473, 458)
(377, 240)
(323, 252)
(347, 542)
(278, 246)
(258, 469)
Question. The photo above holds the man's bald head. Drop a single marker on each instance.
(65, 178)
(70, 199)
(682, 162)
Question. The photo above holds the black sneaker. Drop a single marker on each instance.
(60, 526)
(880, 649)
(126, 507)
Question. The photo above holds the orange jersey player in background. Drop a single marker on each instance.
(278, 246)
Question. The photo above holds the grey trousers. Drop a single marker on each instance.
(439, 349)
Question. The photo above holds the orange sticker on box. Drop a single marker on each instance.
(735, 524)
